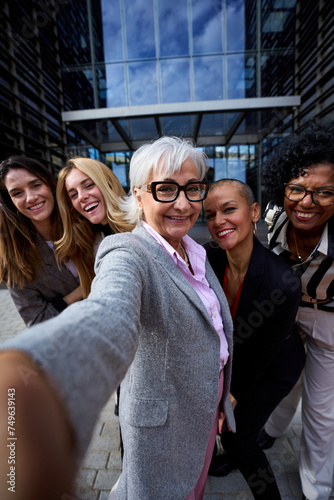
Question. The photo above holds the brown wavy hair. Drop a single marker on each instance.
(19, 255)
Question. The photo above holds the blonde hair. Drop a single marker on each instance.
(77, 242)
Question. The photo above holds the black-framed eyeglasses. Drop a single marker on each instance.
(323, 197)
(167, 191)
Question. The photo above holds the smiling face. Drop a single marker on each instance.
(304, 214)
(171, 220)
(229, 216)
(31, 196)
(86, 197)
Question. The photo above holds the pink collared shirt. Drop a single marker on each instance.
(197, 257)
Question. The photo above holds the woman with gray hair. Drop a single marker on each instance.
(157, 317)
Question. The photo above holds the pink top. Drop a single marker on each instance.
(197, 257)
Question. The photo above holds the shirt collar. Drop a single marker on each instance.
(196, 252)
(322, 247)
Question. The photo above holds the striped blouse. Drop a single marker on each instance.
(317, 270)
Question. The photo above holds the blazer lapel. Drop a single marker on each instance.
(175, 274)
(252, 281)
(51, 266)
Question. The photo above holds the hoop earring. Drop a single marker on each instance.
(255, 230)
(211, 245)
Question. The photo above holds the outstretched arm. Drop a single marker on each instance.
(36, 440)
(81, 357)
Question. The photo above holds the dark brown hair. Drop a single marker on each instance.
(19, 256)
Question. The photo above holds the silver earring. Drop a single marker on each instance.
(255, 229)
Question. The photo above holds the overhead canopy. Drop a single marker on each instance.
(223, 122)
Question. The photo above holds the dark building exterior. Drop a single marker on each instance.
(98, 78)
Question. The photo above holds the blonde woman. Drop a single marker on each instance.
(88, 195)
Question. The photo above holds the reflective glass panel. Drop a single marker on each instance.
(108, 132)
(236, 166)
(143, 83)
(121, 173)
(235, 25)
(140, 36)
(112, 31)
(220, 168)
(182, 126)
(115, 86)
(250, 124)
(208, 78)
(175, 80)
(207, 20)
(173, 27)
(142, 129)
(241, 73)
(278, 24)
(213, 124)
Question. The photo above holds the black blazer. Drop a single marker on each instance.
(266, 344)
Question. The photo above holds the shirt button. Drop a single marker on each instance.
(214, 315)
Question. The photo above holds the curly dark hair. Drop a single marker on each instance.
(311, 146)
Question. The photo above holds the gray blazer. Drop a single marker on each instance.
(41, 299)
(144, 319)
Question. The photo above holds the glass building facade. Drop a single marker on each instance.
(141, 52)
(98, 78)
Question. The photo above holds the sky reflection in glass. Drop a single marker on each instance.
(175, 80)
(112, 31)
(116, 95)
(235, 25)
(143, 83)
(173, 20)
(207, 26)
(140, 34)
(159, 51)
(208, 78)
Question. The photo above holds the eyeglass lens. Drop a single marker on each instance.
(169, 192)
(321, 197)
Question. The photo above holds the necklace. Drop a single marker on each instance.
(300, 258)
(185, 256)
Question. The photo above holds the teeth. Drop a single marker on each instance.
(36, 207)
(304, 215)
(89, 207)
(226, 231)
(178, 218)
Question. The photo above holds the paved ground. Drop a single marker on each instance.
(102, 465)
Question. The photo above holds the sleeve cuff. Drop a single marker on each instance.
(59, 304)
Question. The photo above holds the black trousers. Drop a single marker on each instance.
(253, 411)
(247, 455)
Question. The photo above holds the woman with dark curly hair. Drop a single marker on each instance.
(300, 179)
